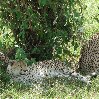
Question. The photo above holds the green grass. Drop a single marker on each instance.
(54, 88)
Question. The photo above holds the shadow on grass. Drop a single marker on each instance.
(47, 88)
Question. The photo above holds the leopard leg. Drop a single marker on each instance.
(78, 76)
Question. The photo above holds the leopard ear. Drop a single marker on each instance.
(11, 62)
(2, 56)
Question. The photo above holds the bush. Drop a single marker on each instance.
(39, 26)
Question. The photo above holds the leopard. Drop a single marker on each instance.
(89, 57)
(20, 72)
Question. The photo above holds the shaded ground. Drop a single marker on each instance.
(54, 88)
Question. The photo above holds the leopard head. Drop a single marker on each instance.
(13, 66)
(17, 67)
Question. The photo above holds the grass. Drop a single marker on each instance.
(54, 88)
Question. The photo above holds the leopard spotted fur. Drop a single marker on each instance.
(89, 60)
(20, 72)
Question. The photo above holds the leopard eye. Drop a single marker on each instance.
(12, 63)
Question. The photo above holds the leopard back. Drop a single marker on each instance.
(89, 59)
(20, 72)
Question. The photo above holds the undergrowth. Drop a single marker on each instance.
(53, 88)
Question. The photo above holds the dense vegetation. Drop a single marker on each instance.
(41, 28)
(45, 29)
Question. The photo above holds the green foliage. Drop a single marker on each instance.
(91, 17)
(47, 28)
(20, 54)
(42, 2)
(42, 29)
(4, 77)
(42, 25)
(6, 39)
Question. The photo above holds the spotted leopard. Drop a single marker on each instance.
(89, 59)
(20, 72)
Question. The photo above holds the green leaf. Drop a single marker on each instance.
(30, 62)
(59, 50)
(66, 51)
(0, 44)
(76, 46)
(21, 34)
(42, 2)
(20, 54)
(97, 20)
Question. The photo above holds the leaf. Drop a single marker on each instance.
(66, 51)
(42, 2)
(97, 19)
(59, 50)
(18, 15)
(0, 44)
(20, 54)
(21, 34)
(30, 62)
(76, 46)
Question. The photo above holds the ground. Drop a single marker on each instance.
(51, 89)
